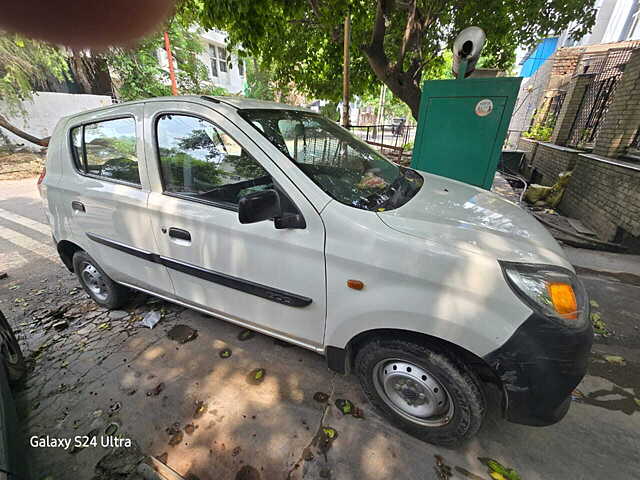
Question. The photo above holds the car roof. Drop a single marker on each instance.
(234, 102)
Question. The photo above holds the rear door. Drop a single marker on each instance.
(254, 274)
(106, 189)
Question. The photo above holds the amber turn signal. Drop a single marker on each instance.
(355, 284)
(564, 300)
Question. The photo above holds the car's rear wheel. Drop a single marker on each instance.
(97, 284)
(14, 362)
(424, 391)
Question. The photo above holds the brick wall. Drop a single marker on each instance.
(550, 160)
(605, 194)
(565, 60)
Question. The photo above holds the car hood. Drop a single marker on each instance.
(454, 214)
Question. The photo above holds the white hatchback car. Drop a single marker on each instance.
(274, 218)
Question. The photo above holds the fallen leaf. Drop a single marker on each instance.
(156, 391)
(330, 432)
(245, 334)
(201, 408)
(320, 397)
(345, 406)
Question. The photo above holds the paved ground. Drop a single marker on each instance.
(104, 371)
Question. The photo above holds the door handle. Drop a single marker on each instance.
(179, 234)
(78, 206)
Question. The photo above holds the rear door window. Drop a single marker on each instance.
(107, 149)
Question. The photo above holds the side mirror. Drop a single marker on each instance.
(259, 206)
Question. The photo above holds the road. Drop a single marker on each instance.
(186, 404)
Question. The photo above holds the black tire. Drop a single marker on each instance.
(98, 285)
(462, 413)
(11, 355)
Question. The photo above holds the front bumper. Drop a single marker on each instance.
(539, 366)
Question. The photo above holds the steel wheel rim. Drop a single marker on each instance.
(94, 281)
(9, 348)
(413, 392)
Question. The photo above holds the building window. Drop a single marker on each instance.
(213, 60)
(222, 59)
(241, 67)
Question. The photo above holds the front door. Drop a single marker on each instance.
(253, 274)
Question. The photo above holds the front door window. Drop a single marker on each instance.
(200, 161)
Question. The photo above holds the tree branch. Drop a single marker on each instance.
(315, 7)
(43, 142)
(409, 32)
(379, 26)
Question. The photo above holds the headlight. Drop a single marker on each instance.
(552, 291)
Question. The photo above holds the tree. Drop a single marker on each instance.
(259, 83)
(140, 74)
(399, 42)
(24, 66)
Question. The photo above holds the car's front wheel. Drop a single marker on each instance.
(97, 284)
(424, 391)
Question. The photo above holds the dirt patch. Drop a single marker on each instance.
(14, 166)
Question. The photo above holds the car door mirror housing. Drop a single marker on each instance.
(259, 206)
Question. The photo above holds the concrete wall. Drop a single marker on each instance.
(43, 112)
(605, 194)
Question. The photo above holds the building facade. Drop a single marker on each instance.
(224, 68)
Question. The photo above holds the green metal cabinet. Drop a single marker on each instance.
(461, 127)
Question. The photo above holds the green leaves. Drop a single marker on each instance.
(141, 74)
(25, 65)
(300, 42)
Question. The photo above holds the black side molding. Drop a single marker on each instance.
(136, 252)
(247, 286)
(270, 293)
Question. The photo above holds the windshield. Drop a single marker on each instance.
(344, 167)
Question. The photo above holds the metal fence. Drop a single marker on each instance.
(391, 140)
(552, 109)
(607, 67)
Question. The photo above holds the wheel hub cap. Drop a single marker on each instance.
(413, 392)
(94, 281)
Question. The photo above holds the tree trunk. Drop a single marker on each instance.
(82, 73)
(400, 83)
(403, 84)
(43, 142)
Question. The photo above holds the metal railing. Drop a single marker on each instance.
(388, 139)
(607, 67)
(552, 110)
